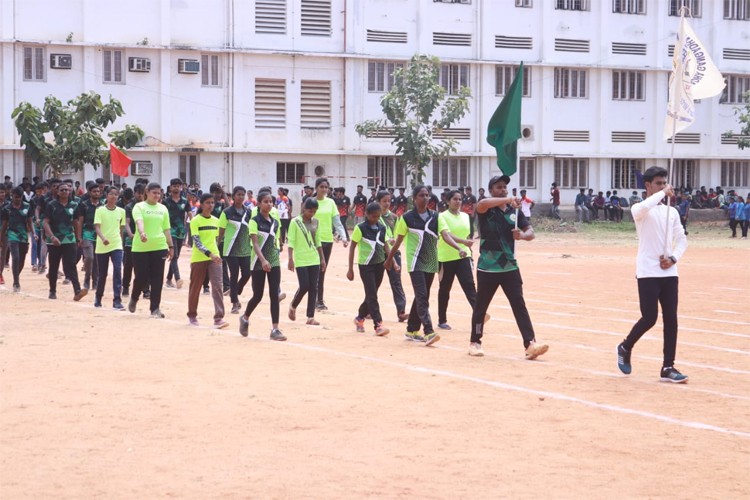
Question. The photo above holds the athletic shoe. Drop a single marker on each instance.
(157, 314)
(321, 306)
(535, 350)
(118, 305)
(97, 303)
(131, 305)
(193, 322)
(292, 313)
(147, 294)
(444, 326)
(360, 324)
(125, 291)
(227, 291)
(414, 336)
(475, 349)
(431, 338)
(244, 325)
(312, 322)
(42, 269)
(178, 284)
(623, 360)
(66, 281)
(220, 324)
(670, 374)
(80, 294)
(206, 291)
(402, 316)
(380, 330)
(169, 284)
(236, 308)
(282, 296)
(277, 335)
(52, 295)
(34, 269)
(16, 288)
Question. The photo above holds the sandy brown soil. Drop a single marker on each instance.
(101, 404)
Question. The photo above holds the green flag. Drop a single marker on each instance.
(504, 128)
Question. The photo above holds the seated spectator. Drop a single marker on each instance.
(597, 204)
(634, 198)
(615, 207)
(683, 207)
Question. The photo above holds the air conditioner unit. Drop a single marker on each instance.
(139, 64)
(527, 132)
(60, 61)
(189, 66)
(143, 168)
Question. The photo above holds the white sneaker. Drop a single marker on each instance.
(475, 349)
(535, 350)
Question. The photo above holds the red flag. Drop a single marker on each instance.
(119, 162)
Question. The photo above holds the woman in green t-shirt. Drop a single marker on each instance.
(389, 219)
(152, 246)
(328, 221)
(306, 257)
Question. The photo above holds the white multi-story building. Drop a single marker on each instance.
(263, 92)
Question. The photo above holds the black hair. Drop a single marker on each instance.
(373, 207)
(127, 194)
(153, 185)
(321, 180)
(206, 196)
(18, 191)
(417, 189)
(139, 188)
(382, 194)
(262, 195)
(91, 185)
(655, 171)
(215, 187)
(310, 204)
(237, 189)
(176, 181)
(450, 194)
(99, 180)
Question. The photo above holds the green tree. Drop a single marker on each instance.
(415, 109)
(67, 136)
(743, 116)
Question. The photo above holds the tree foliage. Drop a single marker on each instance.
(62, 137)
(415, 109)
(743, 116)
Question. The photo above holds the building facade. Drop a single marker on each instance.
(269, 92)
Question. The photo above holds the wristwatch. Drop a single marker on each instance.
(674, 261)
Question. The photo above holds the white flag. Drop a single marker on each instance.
(694, 76)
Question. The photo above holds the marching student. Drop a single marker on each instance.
(419, 227)
(180, 212)
(369, 238)
(233, 232)
(328, 221)
(59, 220)
(306, 258)
(108, 223)
(389, 219)
(152, 246)
(206, 261)
(16, 220)
(454, 256)
(661, 243)
(265, 264)
(85, 233)
(497, 266)
(139, 194)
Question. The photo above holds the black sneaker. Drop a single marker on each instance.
(321, 306)
(118, 305)
(206, 291)
(147, 294)
(244, 326)
(97, 303)
(623, 360)
(131, 305)
(670, 374)
(125, 291)
(52, 295)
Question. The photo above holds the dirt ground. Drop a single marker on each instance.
(102, 404)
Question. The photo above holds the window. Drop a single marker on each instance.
(210, 70)
(572, 5)
(623, 173)
(694, 7)
(527, 173)
(270, 103)
(737, 9)
(450, 172)
(734, 174)
(113, 72)
(570, 83)
(33, 64)
(316, 18)
(684, 174)
(385, 171)
(315, 109)
(734, 92)
(380, 75)
(523, 3)
(504, 76)
(571, 172)
(629, 6)
(189, 168)
(454, 76)
(628, 85)
(270, 17)
(290, 173)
